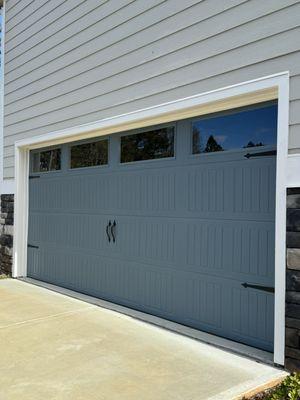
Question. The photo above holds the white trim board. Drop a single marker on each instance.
(266, 88)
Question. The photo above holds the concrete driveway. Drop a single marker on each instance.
(56, 347)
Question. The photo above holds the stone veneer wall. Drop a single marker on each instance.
(292, 320)
(6, 233)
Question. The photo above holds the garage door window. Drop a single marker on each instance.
(89, 154)
(237, 129)
(46, 161)
(154, 144)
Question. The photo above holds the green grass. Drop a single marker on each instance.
(289, 389)
(3, 276)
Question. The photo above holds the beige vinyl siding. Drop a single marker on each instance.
(81, 61)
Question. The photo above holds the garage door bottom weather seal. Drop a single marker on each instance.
(222, 343)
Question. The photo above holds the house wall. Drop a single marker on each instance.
(72, 62)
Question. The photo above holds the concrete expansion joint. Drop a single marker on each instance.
(40, 319)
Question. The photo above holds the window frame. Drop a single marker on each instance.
(231, 111)
(39, 151)
(143, 130)
(87, 141)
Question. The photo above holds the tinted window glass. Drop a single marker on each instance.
(236, 130)
(48, 160)
(89, 154)
(158, 143)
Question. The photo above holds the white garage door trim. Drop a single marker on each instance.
(262, 89)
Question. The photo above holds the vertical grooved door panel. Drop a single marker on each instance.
(190, 230)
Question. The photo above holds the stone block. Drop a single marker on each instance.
(292, 191)
(292, 337)
(292, 364)
(292, 353)
(6, 258)
(6, 207)
(293, 297)
(293, 220)
(292, 280)
(293, 201)
(7, 251)
(7, 197)
(6, 240)
(293, 258)
(292, 310)
(293, 323)
(293, 240)
(9, 221)
(8, 230)
(5, 268)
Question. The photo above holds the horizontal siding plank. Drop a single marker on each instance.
(175, 90)
(54, 47)
(294, 151)
(9, 151)
(106, 36)
(8, 172)
(294, 137)
(13, 7)
(107, 84)
(67, 82)
(34, 9)
(8, 161)
(142, 80)
(71, 65)
(56, 22)
(294, 112)
(295, 87)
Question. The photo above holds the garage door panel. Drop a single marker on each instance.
(237, 250)
(232, 191)
(195, 299)
(190, 230)
(256, 308)
(213, 247)
(69, 230)
(146, 286)
(227, 309)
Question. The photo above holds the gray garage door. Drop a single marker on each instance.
(174, 220)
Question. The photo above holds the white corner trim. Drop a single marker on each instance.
(183, 108)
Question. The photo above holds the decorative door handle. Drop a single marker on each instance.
(113, 231)
(107, 231)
